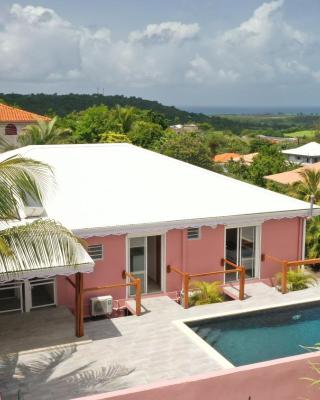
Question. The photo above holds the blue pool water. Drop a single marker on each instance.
(262, 335)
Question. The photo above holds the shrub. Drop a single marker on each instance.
(205, 293)
(298, 279)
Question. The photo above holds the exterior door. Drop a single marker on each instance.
(240, 248)
(145, 262)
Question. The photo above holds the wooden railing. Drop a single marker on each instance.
(80, 290)
(186, 277)
(285, 265)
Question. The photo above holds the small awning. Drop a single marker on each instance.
(40, 252)
(44, 272)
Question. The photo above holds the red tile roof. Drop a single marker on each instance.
(226, 157)
(12, 114)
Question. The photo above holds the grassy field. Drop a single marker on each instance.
(298, 134)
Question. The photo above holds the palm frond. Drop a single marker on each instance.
(20, 179)
(44, 366)
(39, 245)
(5, 145)
(99, 376)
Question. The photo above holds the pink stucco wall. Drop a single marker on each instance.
(202, 255)
(280, 238)
(272, 380)
(106, 272)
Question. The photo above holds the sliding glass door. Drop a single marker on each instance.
(240, 249)
(145, 262)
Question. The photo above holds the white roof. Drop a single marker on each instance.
(311, 149)
(119, 188)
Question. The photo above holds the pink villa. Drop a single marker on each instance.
(140, 211)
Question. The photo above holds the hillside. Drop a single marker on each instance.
(65, 104)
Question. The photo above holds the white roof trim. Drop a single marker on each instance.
(210, 222)
(46, 272)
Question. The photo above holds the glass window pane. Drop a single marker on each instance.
(231, 252)
(42, 294)
(248, 235)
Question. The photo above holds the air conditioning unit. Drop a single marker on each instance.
(101, 305)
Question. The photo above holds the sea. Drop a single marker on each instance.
(253, 110)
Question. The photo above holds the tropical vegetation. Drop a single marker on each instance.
(205, 293)
(298, 279)
(23, 182)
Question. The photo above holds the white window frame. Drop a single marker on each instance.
(194, 238)
(102, 251)
(14, 285)
(28, 296)
(257, 247)
(163, 259)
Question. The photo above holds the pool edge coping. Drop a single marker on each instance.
(181, 324)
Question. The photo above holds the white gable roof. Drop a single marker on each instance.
(311, 149)
(119, 188)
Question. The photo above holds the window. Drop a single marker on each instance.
(96, 251)
(11, 129)
(193, 233)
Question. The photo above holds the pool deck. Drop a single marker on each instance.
(128, 351)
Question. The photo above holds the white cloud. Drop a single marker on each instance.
(37, 45)
(165, 32)
(262, 49)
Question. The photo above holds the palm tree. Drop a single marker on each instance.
(126, 117)
(310, 185)
(42, 243)
(44, 132)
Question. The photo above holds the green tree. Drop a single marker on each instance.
(269, 161)
(95, 121)
(45, 132)
(146, 134)
(238, 170)
(310, 185)
(114, 137)
(125, 116)
(40, 243)
(190, 147)
(313, 237)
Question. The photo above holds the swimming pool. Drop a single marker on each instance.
(257, 336)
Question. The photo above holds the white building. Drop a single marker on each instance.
(13, 120)
(307, 154)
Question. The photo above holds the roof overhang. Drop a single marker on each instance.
(252, 219)
(65, 270)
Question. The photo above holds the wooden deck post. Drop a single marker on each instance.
(241, 283)
(284, 288)
(186, 290)
(138, 296)
(79, 305)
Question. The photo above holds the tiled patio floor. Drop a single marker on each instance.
(128, 351)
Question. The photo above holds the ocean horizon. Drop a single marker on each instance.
(252, 110)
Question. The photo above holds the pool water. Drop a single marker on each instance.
(262, 335)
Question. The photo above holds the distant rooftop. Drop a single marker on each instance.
(311, 149)
(13, 114)
(290, 177)
(226, 157)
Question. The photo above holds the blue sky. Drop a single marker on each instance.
(181, 52)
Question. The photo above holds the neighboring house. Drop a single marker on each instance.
(184, 128)
(248, 158)
(277, 140)
(140, 211)
(307, 154)
(291, 177)
(227, 157)
(13, 120)
(224, 158)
